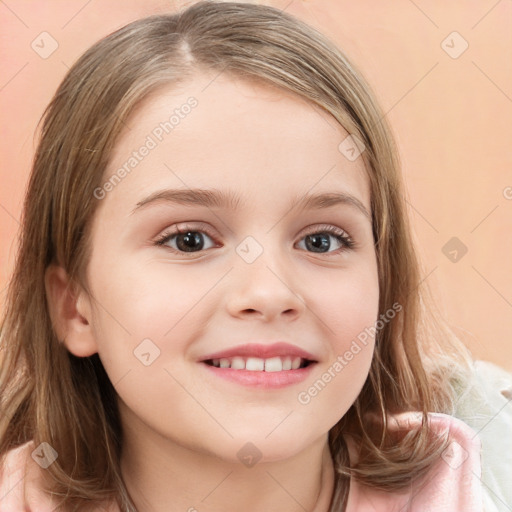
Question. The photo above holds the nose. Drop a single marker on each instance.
(264, 290)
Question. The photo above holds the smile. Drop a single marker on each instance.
(257, 364)
(269, 365)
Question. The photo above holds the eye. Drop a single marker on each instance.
(319, 240)
(187, 240)
(191, 239)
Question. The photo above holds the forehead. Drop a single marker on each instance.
(249, 135)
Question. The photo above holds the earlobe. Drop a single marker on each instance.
(70, 312)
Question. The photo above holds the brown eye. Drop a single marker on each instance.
(186, 240)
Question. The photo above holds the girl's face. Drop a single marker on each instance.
(259, 265)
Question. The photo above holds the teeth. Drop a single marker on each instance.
(238, 363)
(272, 364)
(255, 364)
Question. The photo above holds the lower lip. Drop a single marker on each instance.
(261, 379)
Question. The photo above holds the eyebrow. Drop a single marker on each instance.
(213, 198)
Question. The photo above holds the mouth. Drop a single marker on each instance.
(261, 365)
(257, 364)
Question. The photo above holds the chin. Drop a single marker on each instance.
(276, 447)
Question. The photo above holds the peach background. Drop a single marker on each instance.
(451, 116)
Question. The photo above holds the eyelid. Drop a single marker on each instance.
(321, 228)
(183, 227)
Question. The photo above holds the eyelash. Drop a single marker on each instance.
(341, 236)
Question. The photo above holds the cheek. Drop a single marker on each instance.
(140, 299)
(144, 323)
(349, 311)
(350, 305)
(148, 316)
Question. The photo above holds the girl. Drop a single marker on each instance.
(216, 302)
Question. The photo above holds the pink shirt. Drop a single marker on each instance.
(452, 485)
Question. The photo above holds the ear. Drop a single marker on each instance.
(70, 312)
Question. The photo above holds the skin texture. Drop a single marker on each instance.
(184, 426)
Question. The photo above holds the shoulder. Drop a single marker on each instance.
(18, 477)
(485, 404)
(14, 466)
(452, 484)
(22, 480)
(441, 424)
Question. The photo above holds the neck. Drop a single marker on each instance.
(163, 476)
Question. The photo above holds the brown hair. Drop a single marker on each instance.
(47, 394)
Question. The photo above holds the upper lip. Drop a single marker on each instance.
(263, 351)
